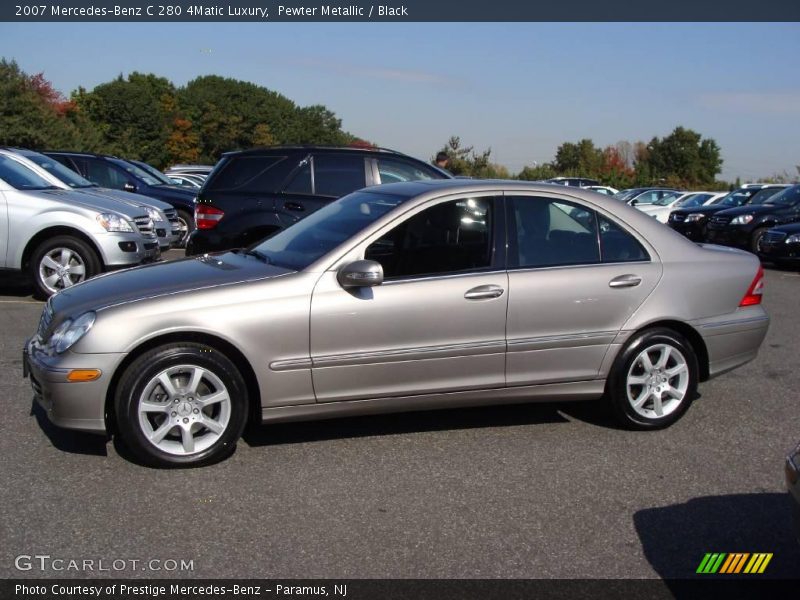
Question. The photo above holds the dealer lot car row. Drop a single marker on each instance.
(405, 296)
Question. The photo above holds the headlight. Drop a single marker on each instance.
(793, 239)
(742, 220)
(112, 222)
(695, 217)
(70, 332)
(154, 214)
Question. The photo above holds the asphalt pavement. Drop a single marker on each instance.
(536, 491)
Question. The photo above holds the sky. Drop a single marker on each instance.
(521, 89)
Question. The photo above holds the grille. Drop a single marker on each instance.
(720, 220)
(36, 386)
(172, 217)
(145, 226)
(773, 237)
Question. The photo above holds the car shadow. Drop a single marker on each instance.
(676, 538)
(75, 442)
(16, 286)
(404, 423)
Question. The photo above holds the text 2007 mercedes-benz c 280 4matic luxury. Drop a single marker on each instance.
(406, 296)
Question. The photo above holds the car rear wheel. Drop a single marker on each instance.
(181, 405)
(61, 262)
(654, 380)
(186, 221)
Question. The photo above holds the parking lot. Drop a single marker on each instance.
(532, 491)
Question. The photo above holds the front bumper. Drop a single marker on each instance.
(694, 230)
(127, 249)
(729, 235)
(72, 405)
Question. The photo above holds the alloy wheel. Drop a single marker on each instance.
(657, 381)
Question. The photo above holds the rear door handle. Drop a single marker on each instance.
(294, 206)
(484, 292)
(625, 281)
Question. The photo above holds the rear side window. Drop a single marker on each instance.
(392, 170)
(338, 174)
(617, 245)
(250, 174)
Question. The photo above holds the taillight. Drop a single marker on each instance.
(207, 217)
(755, 291)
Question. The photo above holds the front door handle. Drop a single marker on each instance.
(625, 281)
(295, 206)
(484, 292)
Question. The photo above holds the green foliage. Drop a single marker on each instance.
(684, 158)
(466, 162)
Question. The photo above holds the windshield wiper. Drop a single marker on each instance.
(259, 255)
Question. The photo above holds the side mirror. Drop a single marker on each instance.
(360, 273)
(634, 202)
(129, 187)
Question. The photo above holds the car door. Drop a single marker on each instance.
(575, 277)
(320, 179)
(436, 324)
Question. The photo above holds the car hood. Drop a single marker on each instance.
(161, 279)
(751, 209)
(169, 191)
(93, 201)
(127, 197)
(789, 229)
(706, 210)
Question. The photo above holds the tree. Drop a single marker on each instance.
(465, 161)
(582, 158)
(684, 158)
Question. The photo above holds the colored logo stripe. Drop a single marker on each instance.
(723, 563)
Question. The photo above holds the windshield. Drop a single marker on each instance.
(21, 177)
(312, 238)
(667, 200)
(737, 197)
(153, 171)
(767, 195)
(694, 200)
(140, 174)
(786, 197)
(59, 171)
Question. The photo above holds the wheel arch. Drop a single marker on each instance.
(219, 344)
(691, 335)
(51, 232)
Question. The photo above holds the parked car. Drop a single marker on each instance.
(256, 193)
(602, 189)
(573, 181)
(781, 245)
(188, 181)
(642, 196)
(199, 170)
(61, 237)
(661, 208)
(119, 174)
(165, 220)
(743, 227)
(792, 470)
(691, 221)
(401, 297)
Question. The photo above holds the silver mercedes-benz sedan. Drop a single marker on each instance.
(406, 296)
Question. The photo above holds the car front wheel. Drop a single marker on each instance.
(181, 405)
(61, 262)
(654, 380)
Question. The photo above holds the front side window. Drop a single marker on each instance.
(104, 175)
(338, 174)
(449, 237)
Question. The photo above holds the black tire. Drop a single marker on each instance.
(81, 255)
(617, 389)
(171, 450)
(186, 218)
(755, 239)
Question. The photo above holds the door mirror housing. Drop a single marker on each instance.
(360, 273)
(129, 187)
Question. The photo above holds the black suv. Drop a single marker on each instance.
(691, 222)
(252, 194)
(746, 225)
(119, 174)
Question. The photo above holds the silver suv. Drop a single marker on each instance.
(165, 218)
(63, 237)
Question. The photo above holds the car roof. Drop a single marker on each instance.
(315, 148)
